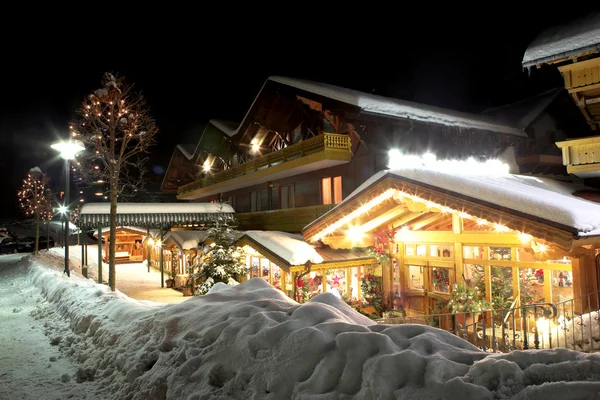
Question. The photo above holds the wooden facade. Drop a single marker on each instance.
(129, 245)
(441, 239)
(302, 148)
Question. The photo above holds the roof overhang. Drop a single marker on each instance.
(386, 193)
(154, 215)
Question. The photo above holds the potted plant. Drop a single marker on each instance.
(467, 303)
(186, 288)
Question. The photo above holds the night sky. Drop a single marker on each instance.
(455, 60)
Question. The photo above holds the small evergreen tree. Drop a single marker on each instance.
(221, 260)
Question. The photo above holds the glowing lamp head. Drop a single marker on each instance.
(206, 166)
(68, 150)
(254, 146)
(62, 209)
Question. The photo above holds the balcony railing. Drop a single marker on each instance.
(573, 324)
(286, 220)
(327, 142)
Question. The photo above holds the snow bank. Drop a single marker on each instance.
(251, 341)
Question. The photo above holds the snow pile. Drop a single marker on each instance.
(251, 341)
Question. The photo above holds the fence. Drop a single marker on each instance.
(572, 324)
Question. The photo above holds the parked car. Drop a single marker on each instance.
(45, 243)
(9, 246)
(26, 244)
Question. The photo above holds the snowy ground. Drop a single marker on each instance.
(72, 338)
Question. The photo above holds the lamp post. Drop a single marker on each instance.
(68, 151)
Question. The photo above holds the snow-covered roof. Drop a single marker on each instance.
(547, 199)
(157, 208)
(289, 247)
(187, 240)
(565, 40)
(523, 112)
(187, 150)
(399, 108)
(228, 127)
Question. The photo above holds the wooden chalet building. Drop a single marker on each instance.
(304, 146)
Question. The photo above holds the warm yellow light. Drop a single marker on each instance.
(543, 248)
(524, 237)
(206, 166)
(158, 242)
(355, 233)
(151, 241)
(359, 211)
(481, 222)
(98, 193)
(464, 215)
(255, 147)
(501, 228)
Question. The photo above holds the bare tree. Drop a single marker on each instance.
(117, 130)
(32, 198)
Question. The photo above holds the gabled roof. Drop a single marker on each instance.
(523, 112)
(578, 36)
(186, 240)
(386, 106)
(374, 104)
(520, 200)
(291, 252)
(187, 150)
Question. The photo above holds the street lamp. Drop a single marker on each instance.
(68, 151)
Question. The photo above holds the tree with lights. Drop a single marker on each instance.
(221, 261)
(32, 199)
(117, 130)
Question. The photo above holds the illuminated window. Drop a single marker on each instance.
(331, 190)
(415, 277)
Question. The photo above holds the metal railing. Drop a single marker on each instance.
(573, 324)
(332, 141)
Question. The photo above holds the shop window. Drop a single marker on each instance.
(502, 287)
(255, 201)
(336, 282)
(562, 286)
(415, 277)
(276, 273)
(475, 252)
(500, 253)
(531, 285)
(419, 250)
(475, 276)
(255, 267)
(440, 279)
(441, 251)
(315, 284)
(354, 283)
(331, 190)
(286, 196)
(265, 269)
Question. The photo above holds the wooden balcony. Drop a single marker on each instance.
(316, 153)
(582, 156)
(286, 220)
(582, 80)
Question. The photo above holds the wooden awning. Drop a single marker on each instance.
(154, 215)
